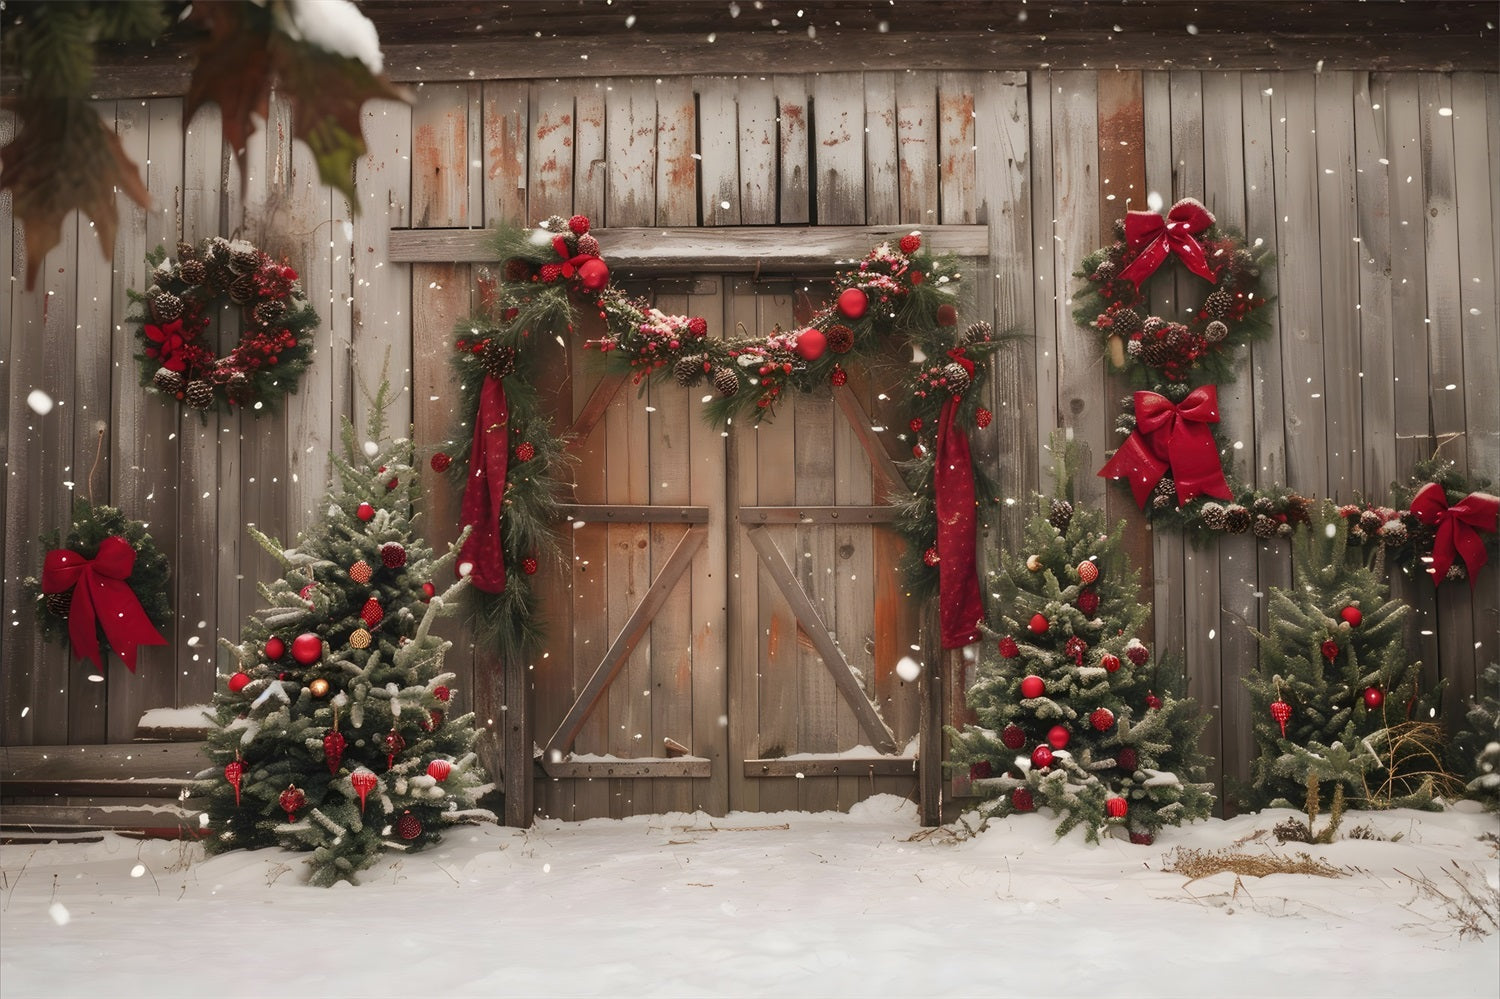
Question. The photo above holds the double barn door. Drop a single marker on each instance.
(726, 631)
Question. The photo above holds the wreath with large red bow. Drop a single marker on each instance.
(103, 587)
(178, 311)
(1195, 345)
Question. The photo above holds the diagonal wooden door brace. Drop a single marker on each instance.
(895, 488)
(817, 632)
(593, 409)
(624, 644)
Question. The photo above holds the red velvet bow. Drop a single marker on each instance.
(1458, 528)
(592, 272)
(168, 338)
(484, 493)
(101, 599)
(1157, 238)
(1173, 438)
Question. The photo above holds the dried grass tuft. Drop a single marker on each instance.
(1205, 863)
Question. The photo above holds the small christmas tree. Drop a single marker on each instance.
(1334, 689)
(1073, 716)
(333, 732)
(1478, 745)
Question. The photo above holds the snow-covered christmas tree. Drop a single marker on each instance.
(333, 733)
(1335, 693)
(1478, 744)
(1074, 716)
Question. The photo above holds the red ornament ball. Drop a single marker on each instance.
(1152, 701)
(238, 682)
(440, 462)
(1115, 808)
(371, 613)
(1374, 697)
(698, 326)
(853, 303)
(811, 343)
(593, 274)
(408, 826)
(1032, 686)
(1041, 757)
(361, 572)
(1088, 602)
(982, 418)
(980, 770)
(529, 565)
(947, 315)
(1013, 737)
(1137, 653)
(275, 648)
(307, 648)
(911, 243)
(1330, 649)
(916, 424)
(1102, 719)
(1008, 647)
(1352, 617)
(930, 556)
(579, 224)
(441, 692)
(1057, 737)
(1110, 662)
(1125, 758)
(364, 511)
(1038, 624)
(1088, 573)
(1021, 801)
(525, 451)
(428, 591)
(839, 377)
(439, 770)
(392, 555)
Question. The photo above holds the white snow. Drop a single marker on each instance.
(192, 716)
(338, 27)
(785, 904)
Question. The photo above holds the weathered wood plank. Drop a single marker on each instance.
(440, 156)
(550, 170)
(630, 124)
(1377, 361)
(611, 513)
(959, 152)
(720, 146)
(794, 162)
(890, 484)
(119, 761)
(917, 148)
(1339, 256)
(1050, 281)
(882, 159)
(837, 138)
(676, 153)
(505, 130)
(678, 769)
(856, 513)
(759, 145)
(658, 251)
(852, 768)
(818, 633)
(590, 155)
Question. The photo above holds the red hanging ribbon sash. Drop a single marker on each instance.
(101, 599)
(960, 610)
(484, 493)
(1458, 528)
(1173, 438)
(1157, 238)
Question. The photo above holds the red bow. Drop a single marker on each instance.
(1156, 238)
(591, 271)
(484, 493)
(1173, 438)
(1458, 528)
(101, 599)
(169, 344)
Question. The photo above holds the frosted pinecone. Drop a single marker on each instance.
(1215, 332)
(1214, 516)
(1265, 527)
(1371, 522)
(1155, 352)
(979, 332)
(1218, 304)
(556, 223)
(199, 394)
(185, 251)
(166, 307)
(840, 338)
(689, 369)
(1061, 515)
(268, 312)
(1133, 347)
(1237, 519)
(194, 271)
(1126, 322)
(726, 382)
(1105, 272)
(1264, 505)
(167, 381)
(1166, 488)
(499, 359)
(242, 289)
(957, 377)
(244, 258)
(1393, 533)
(58, 604)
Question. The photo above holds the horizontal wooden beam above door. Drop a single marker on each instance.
(833, 766)
(761, 249)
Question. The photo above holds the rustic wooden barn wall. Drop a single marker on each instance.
(1378, 193)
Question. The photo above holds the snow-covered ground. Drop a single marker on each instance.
(791, 904)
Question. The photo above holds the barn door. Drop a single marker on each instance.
(725, 632)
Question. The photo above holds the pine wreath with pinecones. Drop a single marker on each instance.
(217, 284)
(1194, 347)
